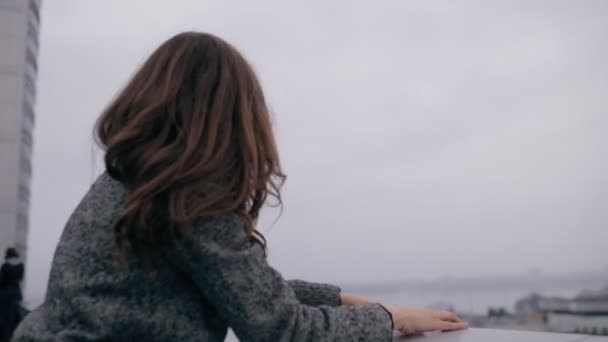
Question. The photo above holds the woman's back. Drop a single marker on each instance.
(197, 290)
(91, 296)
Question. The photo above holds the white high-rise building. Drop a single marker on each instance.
(19, 24)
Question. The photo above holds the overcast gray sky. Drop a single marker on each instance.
(421, 138)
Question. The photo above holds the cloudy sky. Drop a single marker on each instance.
(421, 138)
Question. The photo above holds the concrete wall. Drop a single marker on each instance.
(490, 335)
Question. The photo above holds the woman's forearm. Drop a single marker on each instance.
(350, 299)
(315, 294)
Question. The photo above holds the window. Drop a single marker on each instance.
(26, 148)
(32, 44)
(28, 111)
(26, 137)
(20, 245)
(31, 59)
(35, 9)
(24, 192)
(26, 168)
(30, 84)
(22, 221)
(32, 33)
(22, 229)
(30, 71)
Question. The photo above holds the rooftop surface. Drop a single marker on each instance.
(485, 335)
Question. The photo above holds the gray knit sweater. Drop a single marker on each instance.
(198, 293)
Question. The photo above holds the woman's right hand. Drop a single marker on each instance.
(418, 320)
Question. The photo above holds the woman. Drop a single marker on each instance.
(11, 276)
(164, 246)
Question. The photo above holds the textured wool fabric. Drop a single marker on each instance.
(203, 286)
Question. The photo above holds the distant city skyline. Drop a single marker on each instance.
(579, 281)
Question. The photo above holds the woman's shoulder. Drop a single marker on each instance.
(92, 218)
(101, 201)
(107, 189)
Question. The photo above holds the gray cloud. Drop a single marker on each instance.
(420, 137)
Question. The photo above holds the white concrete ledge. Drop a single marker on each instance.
(491, 335)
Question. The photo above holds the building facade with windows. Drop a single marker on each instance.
(19, 26)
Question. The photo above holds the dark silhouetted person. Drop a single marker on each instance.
(11, 275)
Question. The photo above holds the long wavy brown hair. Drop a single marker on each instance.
(190, 136)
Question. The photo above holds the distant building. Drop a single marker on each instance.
(587, 313)
(593, 296)
(528, 305)
(578, 323)
(19, 25)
